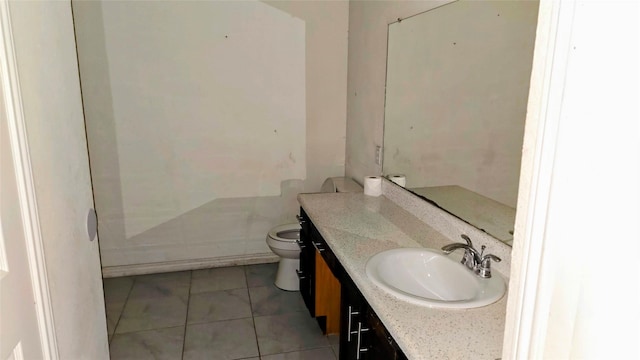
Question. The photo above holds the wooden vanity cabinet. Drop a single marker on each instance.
(334, 300)
(353, 323)
(306, 272)
(381, 343)
(319, 285)
(362, 334)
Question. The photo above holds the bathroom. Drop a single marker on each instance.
(248, 105)
(249, 108)
(338, 64)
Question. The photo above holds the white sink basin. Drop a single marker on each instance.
(430, 278)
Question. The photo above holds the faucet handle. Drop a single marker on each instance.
(492, 257)
(484, 267)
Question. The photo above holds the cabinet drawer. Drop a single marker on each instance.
(325, 251)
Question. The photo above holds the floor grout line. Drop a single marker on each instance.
(260, 283)
(253, 318)
(124, 306)
(186, 319)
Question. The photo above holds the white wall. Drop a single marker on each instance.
(575, 284)
(205, 119)
(456, 95)
(368, 22)
(48, 72)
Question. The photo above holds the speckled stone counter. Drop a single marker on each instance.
(357, 227)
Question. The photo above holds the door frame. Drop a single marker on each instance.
(9, 81)
(545, 280)
(530, 296)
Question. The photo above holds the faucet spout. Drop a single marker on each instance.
(471, 256)
(448, 249)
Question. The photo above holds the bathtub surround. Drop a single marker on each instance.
(192, 165)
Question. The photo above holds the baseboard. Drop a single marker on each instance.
(191, 264)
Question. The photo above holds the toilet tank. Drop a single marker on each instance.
(340, 184)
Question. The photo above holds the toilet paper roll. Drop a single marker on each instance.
(373, 185)
(398, 179)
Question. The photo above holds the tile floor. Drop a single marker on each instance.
(225, 313)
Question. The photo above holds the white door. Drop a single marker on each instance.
(39, 36)
(19, 331)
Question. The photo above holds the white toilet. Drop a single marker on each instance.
(282, 239)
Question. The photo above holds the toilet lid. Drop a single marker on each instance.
(285, 233)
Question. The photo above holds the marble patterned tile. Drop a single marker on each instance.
(221, 340)
(152, 344)
(315, 354)
(261, 274)
(156, 301)
(219, 305)
(334, 342)
(225, 278)
(179, 278)
(153, 313)
(116, 292)
(269, 300)
(288, 332)
(112, 323)
(161, 285)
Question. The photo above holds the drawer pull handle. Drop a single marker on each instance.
(349, 332)
(301, 245)
(359, 348)
(300, 274)
(300, 219)
(318, 245)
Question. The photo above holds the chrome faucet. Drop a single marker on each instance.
(471, 256)
(476, 261)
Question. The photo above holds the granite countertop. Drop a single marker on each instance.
(356, 227)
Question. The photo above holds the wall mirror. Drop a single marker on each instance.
(456, 97)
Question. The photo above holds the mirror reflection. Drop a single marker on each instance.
(456, 97)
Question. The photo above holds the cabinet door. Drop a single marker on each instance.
(380, 344)
(362, 334)
(327, 297)
(306, 273)
(353, 326)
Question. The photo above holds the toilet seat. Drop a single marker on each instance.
(287, 233)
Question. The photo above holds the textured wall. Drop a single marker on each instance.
(368, 23)
(205, 119)
(52, 105)
(457, 89)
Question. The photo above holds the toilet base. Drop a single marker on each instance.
(286, 277)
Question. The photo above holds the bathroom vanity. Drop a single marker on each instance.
(335, 301)
(341, 232)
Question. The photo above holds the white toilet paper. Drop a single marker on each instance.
(398, 179)
(373, 185)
